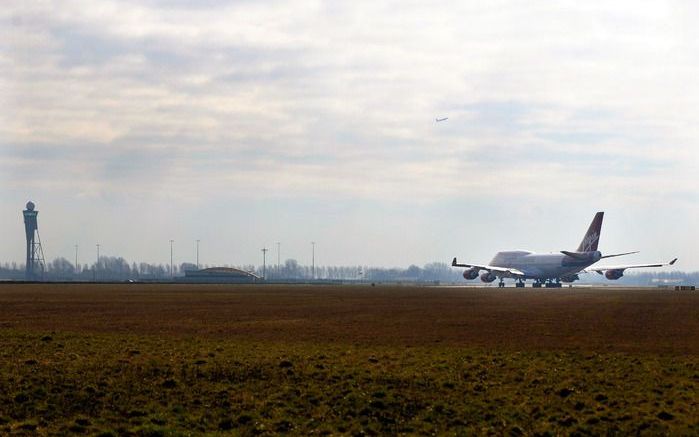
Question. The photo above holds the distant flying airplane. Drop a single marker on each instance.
(550, 269)
(441, 119)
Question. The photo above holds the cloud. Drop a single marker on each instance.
(336, 101)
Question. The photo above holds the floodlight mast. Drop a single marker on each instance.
(172, 273)
(279, 258)
(264, 262)
(197, 254)
(97, 264)
(313, 259)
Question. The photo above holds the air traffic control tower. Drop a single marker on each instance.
(35, 254)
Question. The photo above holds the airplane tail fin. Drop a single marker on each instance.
(591, 238)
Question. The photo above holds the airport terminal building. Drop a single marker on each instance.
(220, 275)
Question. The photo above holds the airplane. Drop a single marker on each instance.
(551, 269)
(441, 119)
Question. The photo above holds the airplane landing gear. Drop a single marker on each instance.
(519, 284)
(501, 284)
(537, 284)
(551, 284)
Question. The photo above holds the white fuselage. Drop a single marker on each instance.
(539, 266)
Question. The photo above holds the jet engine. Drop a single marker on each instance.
(614, 274)
(471, 273)
(488, 277)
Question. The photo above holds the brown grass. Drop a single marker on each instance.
(626, 320)
(156, 360)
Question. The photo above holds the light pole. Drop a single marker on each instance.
(279, 259)
(313, 259)
(197, 254)
(172, 273)
(76, 259)
(98, 262)
(264, 262)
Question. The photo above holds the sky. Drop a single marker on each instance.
(247, 123)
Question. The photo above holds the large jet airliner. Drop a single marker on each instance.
(550, 269)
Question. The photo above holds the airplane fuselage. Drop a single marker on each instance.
(541, 265)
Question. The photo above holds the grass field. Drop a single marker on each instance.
(143, 359)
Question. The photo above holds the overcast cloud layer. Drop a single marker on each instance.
(245, 123)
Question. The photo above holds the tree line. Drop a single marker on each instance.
(110, 268)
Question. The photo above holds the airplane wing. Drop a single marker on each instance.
(618, 254)
(602, 269)
(514, 273)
